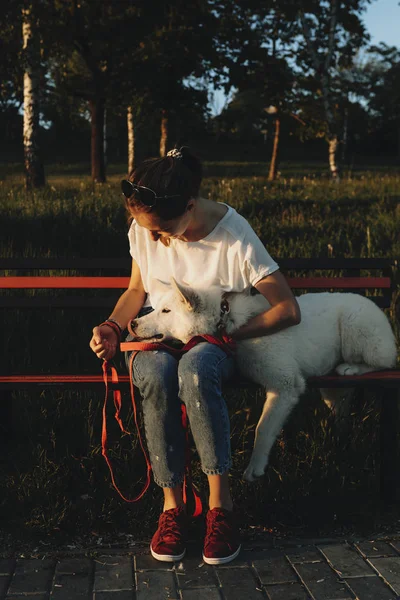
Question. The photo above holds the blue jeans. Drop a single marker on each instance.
(196, 379)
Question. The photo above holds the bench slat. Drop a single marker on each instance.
(64, 282)
(388, 377)
(72, 282)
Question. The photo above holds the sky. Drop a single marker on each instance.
(382, 20)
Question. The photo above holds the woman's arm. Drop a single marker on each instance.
(104, 341)
(284, 311)
(132, 300)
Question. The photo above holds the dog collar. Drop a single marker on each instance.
(225, 309)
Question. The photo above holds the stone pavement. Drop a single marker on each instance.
(325, 570)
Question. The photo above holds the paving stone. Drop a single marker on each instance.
(243, 560)
(346, 560)
(192, 574)
(234, 576)
(113, 573)
(189, 564)
(124, 595)
(239, 583)
(32, 576)
(322, 582)
(274, 570)
(389, 568)
(30, 597)
(73, 566)
(251, 554)
(67, 586)
(395, 544)
(288, 591)
(145, 562)
(308, 554)
(7, 566)
(370, 588)
(372, 548)
(156, 585)
(210, 593)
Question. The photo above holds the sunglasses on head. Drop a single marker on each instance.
(141, 193)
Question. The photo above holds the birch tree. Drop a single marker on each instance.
(100, 57)
(34, 171)
(131, 139)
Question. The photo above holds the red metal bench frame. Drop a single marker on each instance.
(350, 279)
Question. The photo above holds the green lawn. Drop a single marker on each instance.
(53, 462)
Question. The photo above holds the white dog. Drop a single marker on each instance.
(339, 332)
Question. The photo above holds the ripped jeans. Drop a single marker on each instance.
(196, 380)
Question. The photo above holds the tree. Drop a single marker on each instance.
(330, 34)
(260, 70)
(181, 52)
(99, 55)
(383, 91)
(34, 172)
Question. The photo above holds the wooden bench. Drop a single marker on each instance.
(374, 277)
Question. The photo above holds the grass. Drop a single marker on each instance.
(53, 468)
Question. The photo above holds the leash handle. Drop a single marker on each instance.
(107, 368)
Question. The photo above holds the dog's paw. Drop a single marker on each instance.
(252, 473)
(347, 369)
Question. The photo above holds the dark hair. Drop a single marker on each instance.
(168, 176)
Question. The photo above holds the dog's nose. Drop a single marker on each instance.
(134, 324)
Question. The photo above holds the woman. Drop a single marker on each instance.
(177, 233)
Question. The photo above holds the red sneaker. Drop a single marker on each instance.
(221, 544)
(169, 541)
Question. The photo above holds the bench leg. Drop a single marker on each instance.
(390, 445)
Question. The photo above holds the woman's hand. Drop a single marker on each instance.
(104, 342)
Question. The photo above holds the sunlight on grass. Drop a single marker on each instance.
(54, 465)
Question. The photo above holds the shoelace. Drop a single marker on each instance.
(169, 525)
(218, 525)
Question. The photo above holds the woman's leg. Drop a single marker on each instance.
(220, 495)
(155, 375)
(201, 372)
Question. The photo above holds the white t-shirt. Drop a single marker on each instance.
(231, 256)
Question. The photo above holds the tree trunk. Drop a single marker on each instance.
(131, 140)
(164, 133)
(96, 106)
(345, 134)
(273, 167)
(333, 167)
(34, 172)
(398, 141)
(322, 71)
(105, 139)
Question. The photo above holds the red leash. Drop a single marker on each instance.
(226, 343)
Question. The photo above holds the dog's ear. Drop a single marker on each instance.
(187, 295)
